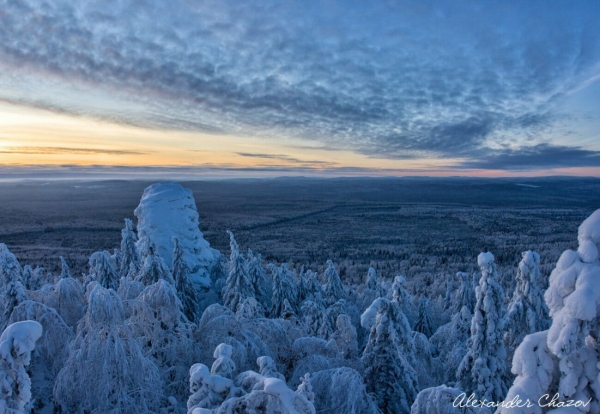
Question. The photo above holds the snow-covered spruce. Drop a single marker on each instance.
(239, 285)
(423, 323)
(16, 344)
(389, 375)
(284, 287)
(130, 260)
(483, 371)
(102, 272)
(527, 311)
(153, 267)
(333, 289)
(106, 364)
(442, 400)
(464, 295)
(565, 358)
(185, 289)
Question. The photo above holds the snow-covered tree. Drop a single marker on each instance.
(266, 395)
(130, 260)
(51, 350)
(66, 296)
(345, 337)
(333, 289)
(39, 279)
(423, 323)
(267, 368)
(258, 278)
(483, 370)
(388, 373)
(102, 272)
(342, 390)
(448, 296)
(10, 269)
(371, 282)
(16, 344)
(106, 364)
(13, 295)
(305, 388)
(184, 286)
(450, 342)
(464, 295)
(153, 268)
(65, 270)
(28, 277)
(565, 358)
(443, 400)
(249, 309)
(223, 365)
(312, 316)
(537, 374)
(208, 391)
(527, 311)
(284, 288)
(313, 287)
(239, 284)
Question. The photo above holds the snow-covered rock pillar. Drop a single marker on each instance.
(168, 210)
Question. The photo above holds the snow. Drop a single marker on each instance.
(168, 210)
(485, 259)
(16, 344)
(588, 251)
(23, 336)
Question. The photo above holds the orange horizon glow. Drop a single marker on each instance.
(32, 137)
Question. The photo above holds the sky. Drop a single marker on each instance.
(198, 88)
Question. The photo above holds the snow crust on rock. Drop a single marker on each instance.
(168, 210)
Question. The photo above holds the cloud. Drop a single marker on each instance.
(541, 156)
(281, 157)
(391, 79)
(65, 150)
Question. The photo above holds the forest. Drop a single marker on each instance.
(445, 319)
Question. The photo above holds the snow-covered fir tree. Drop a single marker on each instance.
(371, 282)
(239, 284)
(10, 269)
(65, 270)
(223, 365)
(564, 359)
(102, 271)
(423, 323)
(527, 311)
(345, 337)
(153, 268)
(333, 289)
(28, 277)
(130, 259)
(450, 342)
(388, 374)
(464, 295)
(313, 287)
(483, 369)
(284, 288)
(448, 296)
(258, 278)
(106, 364)
(185, 289)
(342, 390)
(13, 296)
(17, 342)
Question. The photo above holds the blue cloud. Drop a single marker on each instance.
(397, 79)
